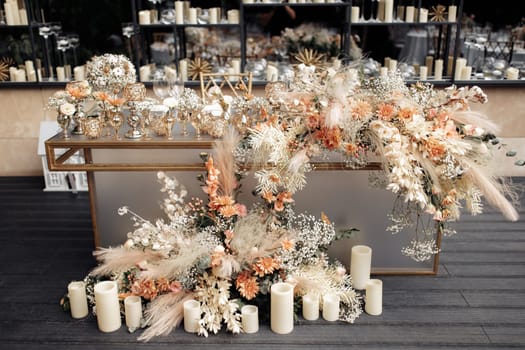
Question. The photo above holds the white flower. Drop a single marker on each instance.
(67, 109)
(170, 102)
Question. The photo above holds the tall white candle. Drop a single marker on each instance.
(192, 15)
(423, 73)
(354, 14)
(452, 13)
(22, 14)
(281, 308)
(423, 15)
(78, 73)
(61, 74)
(144, 17)
(31, 75)
(213, 15)
(250, 318)
(183, 69)
(77, 299)
(133, 311)
(460, 64)
(144, 73)
(236, 65)
(331, 307)
(360, 265)
(233, 16)
(389, 10)
(311, 306)
(179, 12)
(409, 14)
(466, 72)
(512, 73)
(392, 65)
(383, 72)
(438, 69)
(29, 66)
(374, 297)
(380, 15)
(192, 315)
(107, 306)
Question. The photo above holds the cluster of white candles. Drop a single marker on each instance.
(13, 15)
(422, 71)
(409, 14)
(23, 73)
(185, 14)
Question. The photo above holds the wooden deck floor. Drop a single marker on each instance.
(477, 301)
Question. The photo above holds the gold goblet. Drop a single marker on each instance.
(64, 121)
(133, 93)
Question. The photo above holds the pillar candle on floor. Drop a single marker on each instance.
(360, 265)
(331, 307)
(77, 299)
(311, 306)
(107, 306)
(250, 318)
(281, 308)
(374, 297)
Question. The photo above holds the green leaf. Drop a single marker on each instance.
(345, 233)
(520, 162)
(511, 153)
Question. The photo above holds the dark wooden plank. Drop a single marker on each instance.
(506, 335)
(477, 246)
(487, 299)
(486, 270)
(478, 257)
(410, 283)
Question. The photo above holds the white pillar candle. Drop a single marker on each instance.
(77, 299)
(22, 14)
(354, 14)
(213, 15)
(460, 64)
(392, 65)
(247, 1)
(236, 65)
(331, 307)
(12, 73)
(383, 72)
(374, 297)
(250, 318)
(438, 69)
(429, 62)
(192, 16)
(380, 15)
(281, 308)
(144, 73)
(20, 75)
(29, 66)
(466, 72)
(31, 76)
(133, 311)
(79, 73)
(272, 73)
(512, 73)
(144, 17)
(179, 12)
(233, 16)
(192, 315)
(12, 14)
(319, 1)
(311, 306)
(183, 69)
(360, 265)
(61, 74)
(423, 73)
(289, 1)
(452, 13)
(107, 306)
(450, 62)
(409, 14)
(423, 15)
(389, 10)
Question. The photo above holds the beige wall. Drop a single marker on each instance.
(22, 110)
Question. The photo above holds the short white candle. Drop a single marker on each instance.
(331, 307)
(192, 15)
(281, 308)
(31, 75)
(213, 15)
(20, 75)
(133, 311)
(233, 16)
(429, 62)
(107, 306)
(144, 73)
(423, 15)
(423, 72)
(374, 297)
(78, 73)
(383, 72)
(460, 64)
(179, 12)
(438, 69)
(360, 265)
(29, 66)
(319, 1)
(236, 65)
(466, 72)
(272, 73)
(247, 1)
(192, 316)
(250, 318)
(452, 13)
(389, 10)
(409, 14)
(392, 65)
(144, 17)
(77, 299)
(183, 69)
(512, 73)
(12, 73)
(22, 14)
(61, 74)
(354, 14)
(311, 306)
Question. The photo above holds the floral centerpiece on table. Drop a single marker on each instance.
(221, 254)
(110, 72)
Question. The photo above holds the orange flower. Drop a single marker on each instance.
(100, 95)
(285, 197)
(331, 138)
(247, 285)
(287, 244)
(385, 111)
(145, 288)
(313, 121)
(228, 211)
(361, 110)
(268, 196)
(116, 101)
(434, 148)
(351, 148)
(406, 113)
(165, 286)
(265, 266)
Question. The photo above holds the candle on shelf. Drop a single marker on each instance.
(250, 318)
(466, 72)
(29, 66)
(416, 68)
(272, 73)
(311, 306)
(183, 69)
(281, 308)
(192, 315)
(79, 73)
(12, 73)
(360, 265)
(409, 14)
(22, 14)
(31, 75)
(144, 73)
(77, 299)
(319, 1)
(236, 65)
(400, 12)
(383, 72)
(452, 13)
(386, 62)
(61, 74)
(179, 12)
(423, 15)
(392, 65)
(233, 16)
(438, 69)
(354, 14)
(133, 311)
(423, 72)
(460, 64)
(107, 306)
(247, 1)
(450, 62)
(331, 307)
(429, 62)
(9, 16)
(374, 297)
(144, 17)
(380, 15)
(213, 15)
(192, 15)
(512, 73)
(389, 10)
(20, 75)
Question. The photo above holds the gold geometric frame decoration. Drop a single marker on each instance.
(239, 84)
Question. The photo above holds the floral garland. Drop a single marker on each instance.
(110, 72)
